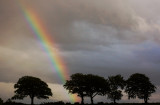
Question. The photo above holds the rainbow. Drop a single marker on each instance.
(48, 45)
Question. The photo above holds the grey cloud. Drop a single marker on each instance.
(76, 26)
(15, 63)
(79, 23)
(60, 17)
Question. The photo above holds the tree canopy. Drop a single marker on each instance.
(32, 87)
(139, 85)
(1, 101)
(77, 85)
(87, 85)
(96, 85)
(116, 84)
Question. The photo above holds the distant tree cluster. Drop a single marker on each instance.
(89, 85)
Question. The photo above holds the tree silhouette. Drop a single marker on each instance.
(87, 85)
(138, 85)
(77, 85)
(115, 95)
(1, 101)
(9, 100)
(32, 87)
(95, 85)
(116, 84)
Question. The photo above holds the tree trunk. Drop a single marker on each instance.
(82, 100)
(32, 100)
(92, 100)
(145, 100)
(114, 100)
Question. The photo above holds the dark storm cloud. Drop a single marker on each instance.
(76, 26)
(84, 30)
(65, 19)
(90, 23)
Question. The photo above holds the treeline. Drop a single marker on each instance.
(89, 85)
(76, 103)
(85, 85)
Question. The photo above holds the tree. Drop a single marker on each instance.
(95, 85)
(9, 100)
(1, 101)
(115, 95)
(139, 85)
(32, 87)
(116, 84)
(87, 85)
(76, 85)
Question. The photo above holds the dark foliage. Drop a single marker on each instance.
(77, 85)
(100, 103)
(1, 101)
(76, 103)
(139, 85)
(87, 85)
(96, 85)
(53, 103)
(13, 103)
(116, 83)
(32, 87)
(68, 103)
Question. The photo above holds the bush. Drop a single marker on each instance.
(76, 103)
(100, 103)
(13, 103)
(68, 103)
(1, 101)
(53, 103)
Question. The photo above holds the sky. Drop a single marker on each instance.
(102, 37)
